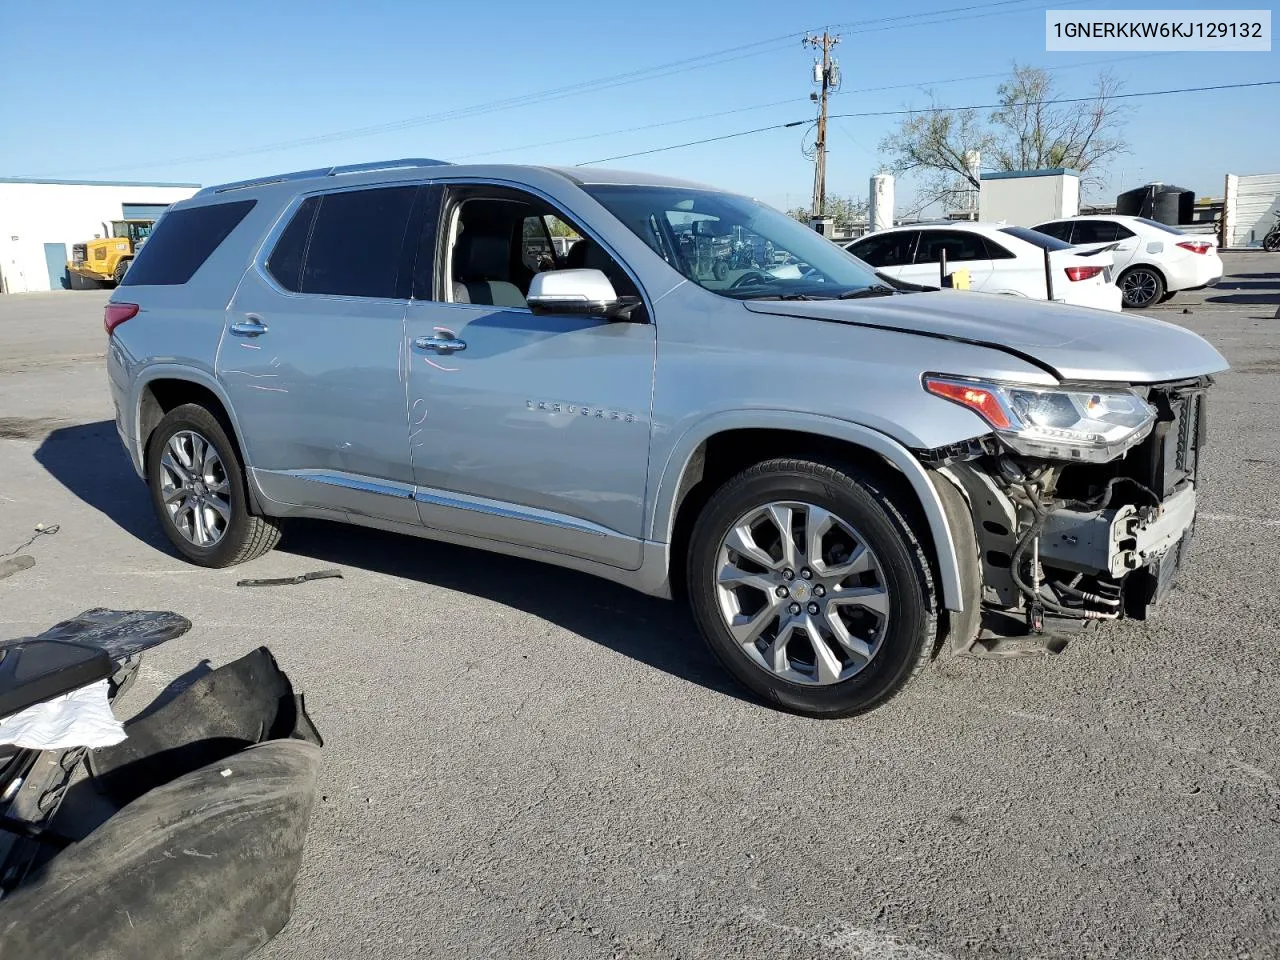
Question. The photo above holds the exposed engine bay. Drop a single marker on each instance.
(1058, 543)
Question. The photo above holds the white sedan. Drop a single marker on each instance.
(998, 258)
(1153, 260)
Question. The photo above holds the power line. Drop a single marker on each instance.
(789, 101)
(658, 71)
(900, 113)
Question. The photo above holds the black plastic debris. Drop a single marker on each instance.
(207, 804)
(330, 574)
(243, 703)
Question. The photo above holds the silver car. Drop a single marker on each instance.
(843, 476)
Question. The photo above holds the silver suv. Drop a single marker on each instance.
(670, 386)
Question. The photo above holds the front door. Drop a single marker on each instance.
(313, 358)
(527, 429)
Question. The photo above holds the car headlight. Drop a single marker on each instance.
(1057, 424)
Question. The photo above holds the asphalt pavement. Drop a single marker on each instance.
(526, 762)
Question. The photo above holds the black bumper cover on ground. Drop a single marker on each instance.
(214, 791)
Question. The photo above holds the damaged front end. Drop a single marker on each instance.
(1079, 505)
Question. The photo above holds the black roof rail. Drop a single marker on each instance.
(406, 162)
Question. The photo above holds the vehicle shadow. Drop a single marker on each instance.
(88, 460)
(655, 632)
(1255, 276)
(1247, 299)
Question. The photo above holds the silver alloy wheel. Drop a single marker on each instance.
(1139, 287)
(802, 593)
(195, 488)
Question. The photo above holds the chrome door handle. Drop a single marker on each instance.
(440, 344)
(249, 327)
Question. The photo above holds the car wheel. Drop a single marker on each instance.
(121, 269)
(811, 589)
(198, 491)
(1140, 287)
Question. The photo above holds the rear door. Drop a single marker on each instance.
(965, 251)
(1108, 231)
(313, 359)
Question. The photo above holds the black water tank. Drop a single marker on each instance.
(1158, 201)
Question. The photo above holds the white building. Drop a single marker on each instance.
(1250, 205)
(40, 220)
(1024, 198)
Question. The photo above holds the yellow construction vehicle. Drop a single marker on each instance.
(106, 260)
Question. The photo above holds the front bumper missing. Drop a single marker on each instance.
(1118, 541)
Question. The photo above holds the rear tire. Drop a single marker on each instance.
(1141, 287)
(121, 269)
(198, 491)
(766, 617)
(1271, 242)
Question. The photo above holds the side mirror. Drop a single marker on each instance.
(581, 292)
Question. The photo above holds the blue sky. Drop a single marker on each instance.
(124, 96)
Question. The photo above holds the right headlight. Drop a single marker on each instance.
(1051, 422)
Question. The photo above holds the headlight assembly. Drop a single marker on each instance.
(1056, 424)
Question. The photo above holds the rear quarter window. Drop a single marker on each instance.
(182, 241)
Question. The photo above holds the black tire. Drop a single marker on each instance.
(1141, 287)
(246, 535)
(907, 643)
(1271, 242)
(121, 269)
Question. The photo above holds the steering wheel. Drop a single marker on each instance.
(750, 277)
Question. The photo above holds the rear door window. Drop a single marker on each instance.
(1061, 230)
(182, 241)
(1099, 231)
(958, 244)
(357, 245)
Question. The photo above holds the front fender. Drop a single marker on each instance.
(682, 451)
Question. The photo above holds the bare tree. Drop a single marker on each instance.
(1035, 133)
(1026, 132)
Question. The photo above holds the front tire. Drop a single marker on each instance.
(1141, 287)
(1271, 242)
(198, 491)
(121, 269)
(810, 587)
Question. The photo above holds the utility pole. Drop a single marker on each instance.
(827, 75)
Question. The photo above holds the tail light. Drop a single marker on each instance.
(1083, 273)
(1196, 246)
(116, 314)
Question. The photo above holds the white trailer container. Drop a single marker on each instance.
(1023, 198)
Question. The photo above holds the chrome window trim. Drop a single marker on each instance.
(286, 216)
(558, 205)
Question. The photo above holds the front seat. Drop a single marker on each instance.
(478, 262)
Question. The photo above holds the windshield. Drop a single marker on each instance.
(1041, 240)
(1158, 225)
(737, 247)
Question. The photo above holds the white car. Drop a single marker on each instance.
(1153, 260)
(999, 259)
